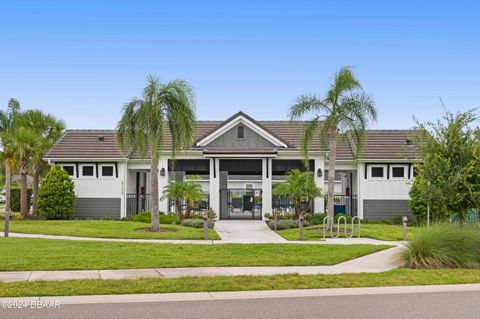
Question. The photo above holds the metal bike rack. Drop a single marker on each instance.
(339, 221)
(353, 227)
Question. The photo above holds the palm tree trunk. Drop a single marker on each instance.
(36, 177)
(7, 199)
(300, 225)
(154, 193)
(332, 157)
(23, 189)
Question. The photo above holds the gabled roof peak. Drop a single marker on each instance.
(241, 117)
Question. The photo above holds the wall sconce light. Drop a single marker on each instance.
(162, 171)
(319, 172)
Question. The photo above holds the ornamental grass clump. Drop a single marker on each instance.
(444, 246)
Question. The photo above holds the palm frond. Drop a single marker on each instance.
(306, 104)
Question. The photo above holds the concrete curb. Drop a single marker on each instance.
(262, 294)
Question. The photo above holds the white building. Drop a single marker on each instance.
(236, 162)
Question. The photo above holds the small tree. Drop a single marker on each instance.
(56, 196)
(447, 171)
(298, 186)
(418, 205)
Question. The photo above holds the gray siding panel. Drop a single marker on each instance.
(379, 209)
(96, 208)
(251, 140)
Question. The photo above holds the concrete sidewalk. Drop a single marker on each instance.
(377, 262)
(328, 241)
(246, 231)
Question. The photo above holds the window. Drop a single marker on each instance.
(87, 170)
(398, 172)
(377, 172)
(107, 170)
(70, 169)
(240, 131)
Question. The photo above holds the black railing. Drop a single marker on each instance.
(198, 206)
(344, 204)
(240, 203)
(137, 203)
(284, 204)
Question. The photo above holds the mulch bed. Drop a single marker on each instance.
(162, 230)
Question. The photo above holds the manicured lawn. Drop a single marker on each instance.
(374, 231)
(105, 229)
(44, 254)
(399, 277)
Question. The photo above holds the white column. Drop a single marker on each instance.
(215, 186)
(266, 186)
(123, 175)
(318, 203)
(162, 182)
(360, 182)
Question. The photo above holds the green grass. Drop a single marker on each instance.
(374, 231)
(45, 254)
(399, 277)
(105, 229)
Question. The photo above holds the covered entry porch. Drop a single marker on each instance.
(240, 189)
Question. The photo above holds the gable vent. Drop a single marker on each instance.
(101, 138)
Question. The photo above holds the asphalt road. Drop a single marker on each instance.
(390, 306)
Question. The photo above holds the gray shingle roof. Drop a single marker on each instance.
(379, 144)
(85, 144)
(388, 144)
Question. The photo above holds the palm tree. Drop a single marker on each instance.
(299, 186)
(176, 192)
(145, 123)
(48, 129)
(193, 194)
(346, 109)
(6, 126)
(23, 142)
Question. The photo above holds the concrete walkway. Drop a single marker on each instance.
(246, 231)
(328, 241)
(377, 262)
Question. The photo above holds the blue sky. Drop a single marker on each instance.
(83, 60)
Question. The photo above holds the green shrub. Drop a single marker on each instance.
(199, 215)
(286, 224)
(196, 223)
(316, 219)
(15, 198)
(56, 196)
(337, 216)
(444, 246)
(145, 217)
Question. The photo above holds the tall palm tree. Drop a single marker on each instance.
(48, 129)
(6, 126)
(23, 142)
(145, 122)
(345, 109)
